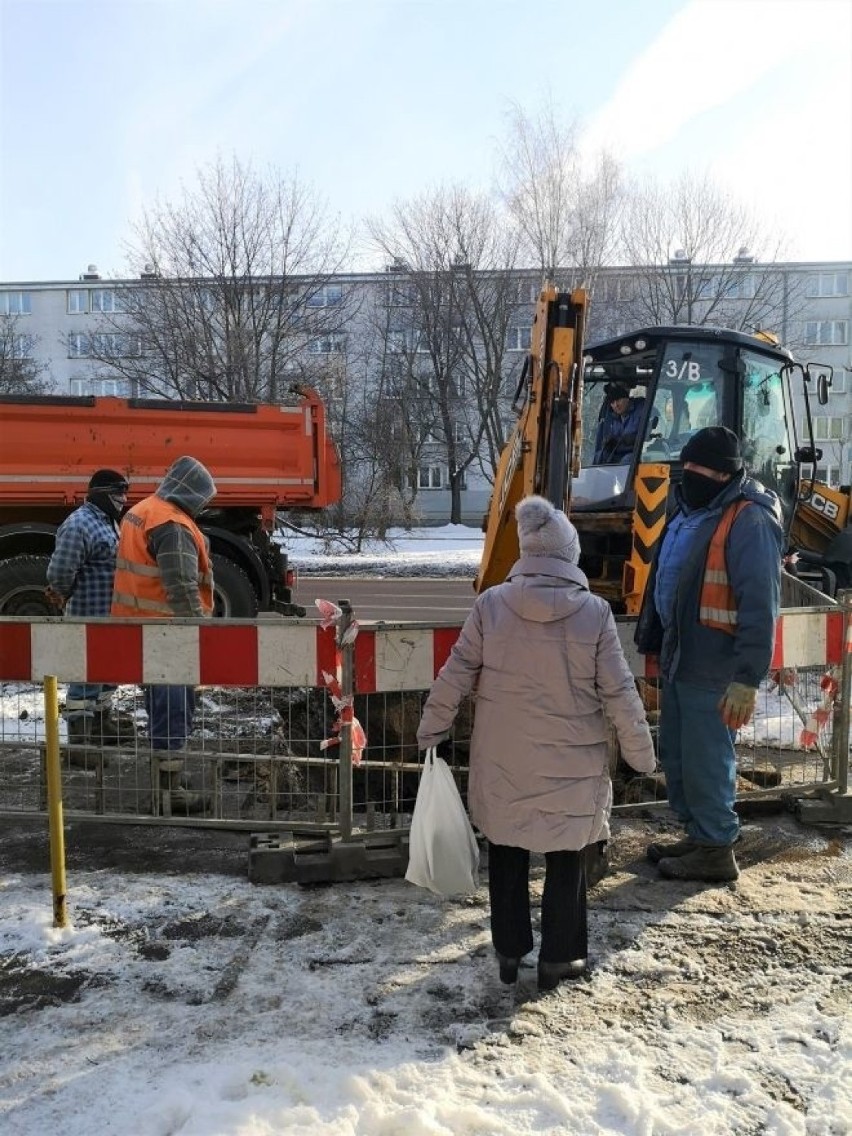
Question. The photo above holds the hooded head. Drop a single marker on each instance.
(545, 531)
(188, 485)
(107, 491)
(714, 447)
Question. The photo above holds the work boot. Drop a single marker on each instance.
(671, 848)
(78, 727)
(185, 801)
(550, 974)
(110, 731)
(508, 968)
(709, 863)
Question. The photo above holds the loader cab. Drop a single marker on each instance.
(683, 379)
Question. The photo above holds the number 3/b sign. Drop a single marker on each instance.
(689, 370)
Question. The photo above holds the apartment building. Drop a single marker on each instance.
(78, 337)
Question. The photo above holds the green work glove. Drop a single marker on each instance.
(736, 705)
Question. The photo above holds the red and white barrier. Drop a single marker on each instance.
(296, 652)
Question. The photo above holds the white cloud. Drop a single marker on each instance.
(710, 54)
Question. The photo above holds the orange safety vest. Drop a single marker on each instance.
(138, 586)
(718, 606)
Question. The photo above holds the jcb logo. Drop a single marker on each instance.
(823, 505)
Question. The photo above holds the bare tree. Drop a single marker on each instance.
(21, 373)
(453, 261)
(566, 212)
(699, 257)
(236, 284)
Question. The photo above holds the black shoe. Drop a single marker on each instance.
(508, 968)
(550, 974)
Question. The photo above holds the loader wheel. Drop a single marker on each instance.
(22, 583)
(233, 595)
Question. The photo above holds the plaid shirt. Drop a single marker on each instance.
(83, 562)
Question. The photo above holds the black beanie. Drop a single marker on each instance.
(715, 447)
(108, 479)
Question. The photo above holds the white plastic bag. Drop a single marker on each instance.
(443, 854)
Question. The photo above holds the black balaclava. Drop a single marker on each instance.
(106, 492)
(699, 490)
(714, 447)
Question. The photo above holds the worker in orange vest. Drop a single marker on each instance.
(709, 611)
(163, 570)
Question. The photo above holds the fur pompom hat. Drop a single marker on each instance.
(546, 531)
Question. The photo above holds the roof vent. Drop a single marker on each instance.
(148, 273)
(679, 257)
(91, 273)
(744, 256)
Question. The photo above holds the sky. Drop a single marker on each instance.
(107, 106)
(199, 1004)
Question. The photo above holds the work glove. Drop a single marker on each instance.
(736, 705)
(54, 598)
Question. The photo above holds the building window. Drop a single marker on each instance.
(526, 291)
(828, 475)
(325, 296)
(827, 333)
(828, 429)
(519, 338)
(118, 388)
(430, 477)
(332, 344)
(106, 300)
(20, 346)
(838, 380)
(79, 346)
(616, 288)
(78, 301)
(16, 303)
(826, 284)
(741, 287)
(115, 345)
(407, 342)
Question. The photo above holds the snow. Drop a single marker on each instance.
(448, 550)
(200, 1004)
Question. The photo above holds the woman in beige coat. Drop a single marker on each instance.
(544, 659)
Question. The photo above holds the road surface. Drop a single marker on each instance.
(391, 599)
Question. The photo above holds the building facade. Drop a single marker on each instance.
(79, 337)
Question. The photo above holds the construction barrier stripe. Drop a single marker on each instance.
(388, 657)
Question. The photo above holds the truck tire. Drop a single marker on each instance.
(22, 583)
(233, 594)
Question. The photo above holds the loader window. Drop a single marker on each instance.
(766, 445)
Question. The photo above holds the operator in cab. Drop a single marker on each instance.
(618, 425)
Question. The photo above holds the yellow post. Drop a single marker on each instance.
(54, 801)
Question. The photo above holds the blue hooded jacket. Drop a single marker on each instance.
(704, 656)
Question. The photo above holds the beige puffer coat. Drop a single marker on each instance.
(543, 656)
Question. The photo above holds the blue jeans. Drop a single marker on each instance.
(698, 758)
(171, 710)
(87, 697)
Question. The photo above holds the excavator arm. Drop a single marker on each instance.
(542, 453)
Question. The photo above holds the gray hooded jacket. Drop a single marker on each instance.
(544, 659)
(188, 485)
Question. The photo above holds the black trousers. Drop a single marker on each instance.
(564, 927)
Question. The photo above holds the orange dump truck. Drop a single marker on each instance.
(264, 459)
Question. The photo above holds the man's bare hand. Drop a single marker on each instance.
(54, 598)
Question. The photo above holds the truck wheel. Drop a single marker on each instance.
(22, 583)
(233, 595)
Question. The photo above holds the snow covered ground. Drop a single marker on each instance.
(204, 1005)
(447, 550)
(187, 1003)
